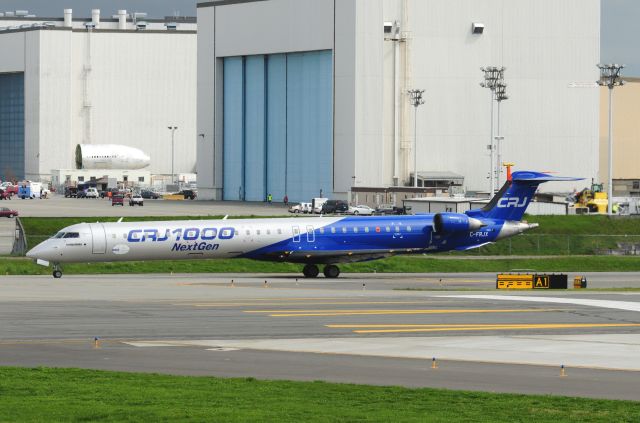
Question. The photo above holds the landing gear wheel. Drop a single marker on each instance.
(57, 271)
(331, 271)
(310, 271)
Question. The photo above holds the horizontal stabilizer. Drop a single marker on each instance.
(540, 177)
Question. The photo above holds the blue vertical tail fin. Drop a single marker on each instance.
(512, 200)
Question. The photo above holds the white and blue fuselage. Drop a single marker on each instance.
(311, 241)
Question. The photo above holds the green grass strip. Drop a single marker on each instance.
(46, 394)
(398, 264)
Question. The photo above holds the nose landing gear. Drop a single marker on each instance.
(57, 271)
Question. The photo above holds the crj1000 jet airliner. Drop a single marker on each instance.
(310, 241)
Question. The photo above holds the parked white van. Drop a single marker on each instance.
(317, 204)
(92, 193)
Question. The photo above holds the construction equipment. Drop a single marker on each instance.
(592, 200)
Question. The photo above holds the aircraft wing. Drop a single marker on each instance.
(331, 256)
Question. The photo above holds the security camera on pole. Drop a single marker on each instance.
(415, 97)
(492, 76)
(610, 77)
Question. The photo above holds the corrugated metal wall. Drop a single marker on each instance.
(278, 126)
(12, 126)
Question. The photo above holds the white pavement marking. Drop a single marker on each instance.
(610, 351)
(618, 305)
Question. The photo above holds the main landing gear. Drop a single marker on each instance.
(57, 271)
(330, 271)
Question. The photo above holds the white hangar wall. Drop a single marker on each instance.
(545, 46)
(105, 87)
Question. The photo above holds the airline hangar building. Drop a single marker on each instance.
(101, 80)
(303, 97)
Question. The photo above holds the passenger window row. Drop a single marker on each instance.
(366, 229)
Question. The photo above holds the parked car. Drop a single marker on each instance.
(136, 200)
(335, 206)
(295, 208)
(7, 212)
(385, 209)
(148, 194)
(91, 193)
(117, 200)
(70, 192)
(9, 188)
(361, 209)
(81, 194)
(4, 195)
(189, 194)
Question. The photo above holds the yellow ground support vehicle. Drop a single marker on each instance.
(592, 200)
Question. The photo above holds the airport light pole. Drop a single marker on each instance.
(492, 75)
(415, 97)
(501, 95)
(173, 138)
(610, 77)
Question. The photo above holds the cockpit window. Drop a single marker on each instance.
(59, 235)
(72, 235)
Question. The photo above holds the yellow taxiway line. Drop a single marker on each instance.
(475, 327)
(303, 313)
(248, 304)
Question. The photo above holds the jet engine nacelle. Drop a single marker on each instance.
(110, 156)
(455, 222)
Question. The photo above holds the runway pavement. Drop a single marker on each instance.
(361, 329)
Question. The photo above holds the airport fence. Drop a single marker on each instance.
(554, 244)
(534, 244)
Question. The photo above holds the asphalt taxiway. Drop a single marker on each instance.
(376, 328)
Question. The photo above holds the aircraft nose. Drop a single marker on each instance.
(33, 253)
(42, 251)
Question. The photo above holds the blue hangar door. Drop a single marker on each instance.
(278, 126)
(11, 126)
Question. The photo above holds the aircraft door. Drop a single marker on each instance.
(311, 234)
(98, 238)
(296, 233)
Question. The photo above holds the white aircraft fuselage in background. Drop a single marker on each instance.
(111, 156)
